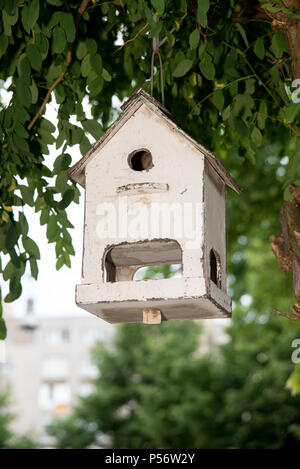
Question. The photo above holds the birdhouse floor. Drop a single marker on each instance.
(176, 298)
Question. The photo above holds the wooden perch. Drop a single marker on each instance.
(151, 316)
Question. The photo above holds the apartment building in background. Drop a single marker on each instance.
(46, 365)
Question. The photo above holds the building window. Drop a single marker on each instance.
(90, 336)
(54, 396)
(88, 369)
(85, 389)
(215, 267)
(57, 336)
(55, 368)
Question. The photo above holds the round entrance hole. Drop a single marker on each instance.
(140, 160)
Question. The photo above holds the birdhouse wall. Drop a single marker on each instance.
(176, 178)
(215, 225)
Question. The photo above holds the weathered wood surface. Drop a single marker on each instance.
(151, 316)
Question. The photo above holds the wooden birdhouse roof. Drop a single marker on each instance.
(138, 98)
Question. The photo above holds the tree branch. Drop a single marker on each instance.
(81, 10)
(292, 318)
(132, 39)
(295, 131)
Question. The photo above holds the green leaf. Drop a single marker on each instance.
(86, 67)
(3, 44)
(256, 136)
(279, 44)
(3, 330)
(10, 6)
(59, 40)
(242, 33)
(54, 20)
(61, 182)
(203, 7)
(150, 18)
(43, 44)
(8, 21)
(159, 6)
(182, 68)
(218, 99)
(81, 50)
(76, 135)
(95, 86)
(24, 70)
(23, 92)
(106, 75)
(62, 162)
(85, 145)
(44, 216)
(27, 195)
(226, 113)
(56, 3)
(15, 291)
(12, 235)
(201, 49)
(91, 46)
(34, 92)
(47, 125)
(60, 263)
(30, 14)
(259, 48)
(207, 67)
(240, 127)
(67, 23)
(66, 200)
(96, 63)
(292, 112)
(31, 247)
(21, 114)
(34, 57)
(93, 127)
(23, 223)
(33, 268)
(262, 115)
(194, 39)
(20, 130)
(9, 271)
(52, 228)
(293, 383)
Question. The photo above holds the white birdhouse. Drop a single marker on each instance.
(154, 196)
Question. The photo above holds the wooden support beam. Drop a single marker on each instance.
(151, 316)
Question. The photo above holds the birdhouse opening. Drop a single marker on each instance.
(158, 272)
(140, 160)
(122, 261)
(215, 267)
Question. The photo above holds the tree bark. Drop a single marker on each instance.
(286, 245)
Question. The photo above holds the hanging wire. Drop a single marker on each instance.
(155, 51)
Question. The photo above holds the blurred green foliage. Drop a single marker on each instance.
(7, 439)
(154, 389)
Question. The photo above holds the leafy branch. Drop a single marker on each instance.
(81, 10)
